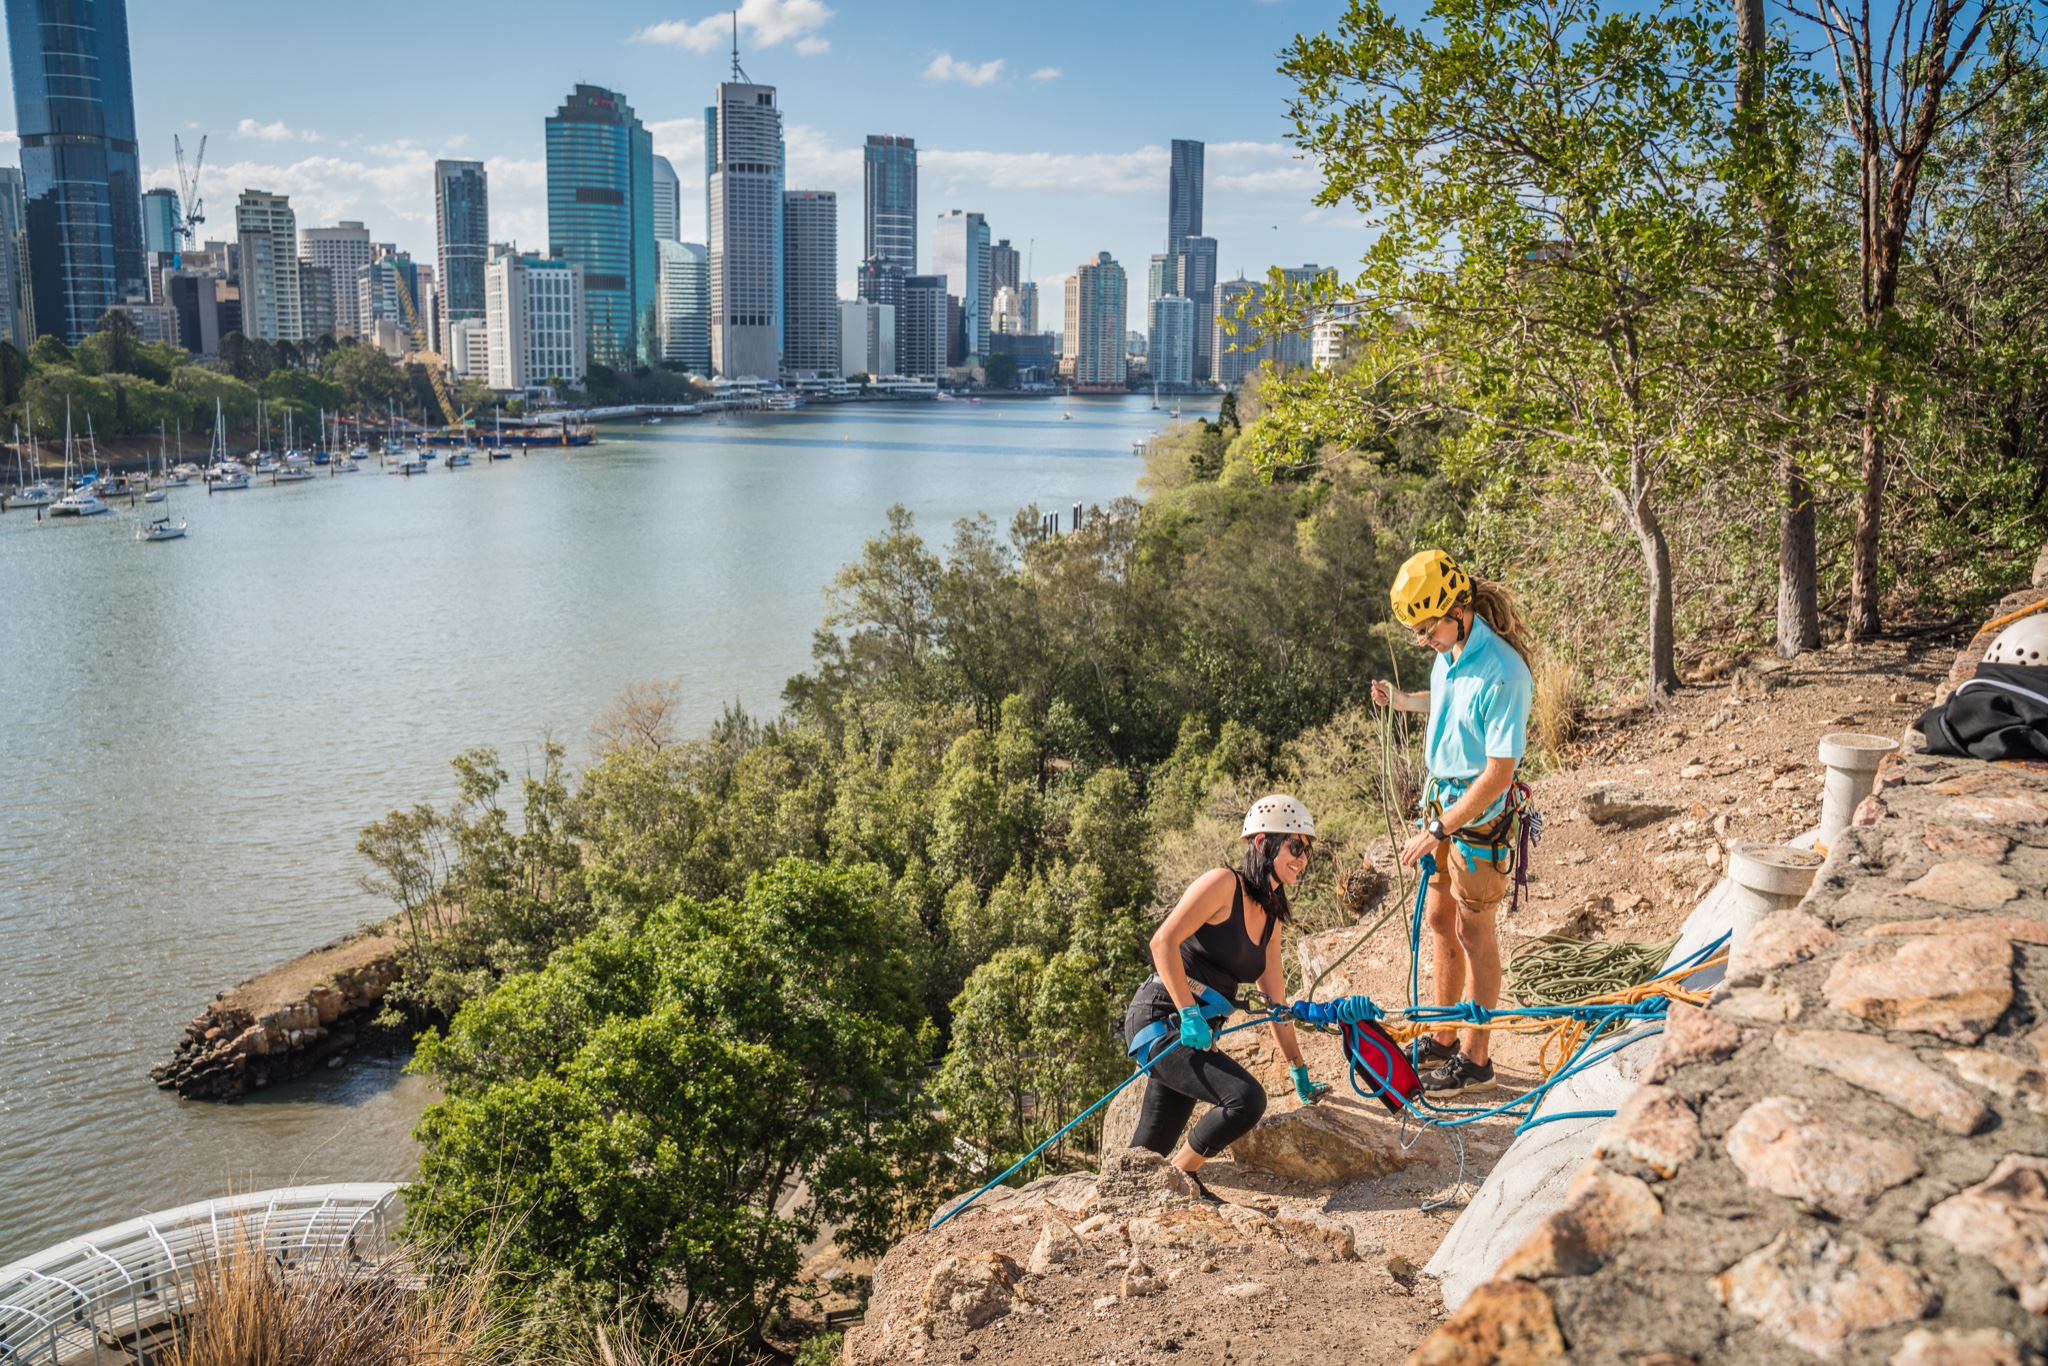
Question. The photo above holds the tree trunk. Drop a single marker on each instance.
(1662, 639)
(1798, 563)
(1863, 615)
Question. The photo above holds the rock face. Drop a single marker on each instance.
(308, 1013)
(1621, 805)
(1952, 986)
(1789, 1148)
(1888, 1070)
(1502, 1323)
(2004, 1219)
(1316, 1144)
(1816, 1291)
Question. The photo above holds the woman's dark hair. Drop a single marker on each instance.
(1259, 883)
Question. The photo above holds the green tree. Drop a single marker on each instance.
(112, 343)
(91, 398)
(370, 378)
(202, 387)
(304, 394)
(49, 350)
(1001, 371)
(634, 1115)
(13, 374)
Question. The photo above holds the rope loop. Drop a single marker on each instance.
(1341, 1010)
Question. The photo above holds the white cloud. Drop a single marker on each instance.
(1140, 173)
(1047, 73)
(944, 68)
(767, 23)
(1259, 168)
(272, 132)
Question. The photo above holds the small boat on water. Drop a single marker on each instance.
(162, 529)
(345, 464)
(38, 494)
(268, 464)
(155, 496)
(500, 453)
(407, 467)
(459, 460)
(80, 502)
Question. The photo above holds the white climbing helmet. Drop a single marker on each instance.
(1278, 814)
(2023, 642)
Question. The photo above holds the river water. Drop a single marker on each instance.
(192, 733)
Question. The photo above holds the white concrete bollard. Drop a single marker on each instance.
(1851, 760)
(1767, 877)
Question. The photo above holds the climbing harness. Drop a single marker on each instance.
(1214, 1006)
(1379, 1070)
(1504, 841)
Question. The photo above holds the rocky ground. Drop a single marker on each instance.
(1314, 1254)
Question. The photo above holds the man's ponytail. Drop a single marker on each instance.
(1491, 601)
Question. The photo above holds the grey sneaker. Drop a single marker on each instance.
(1429, 1053)
(1456, 1077)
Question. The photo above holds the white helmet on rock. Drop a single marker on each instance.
(2023, 642)
(1278, 814)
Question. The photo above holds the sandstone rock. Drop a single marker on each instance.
(1789, 1148)
(961, 1295)
(1692, 1035)
(1138, 1280)
(1952, 986)
(1056, 1243)
(1322, 1145)
(1104, 1303)
(2003, 1219)
(1197, 1226)
(1981, 844)
(2005, 1076)
(1959, 1347)
(1306, 1224)
(1891, 1071)
(2005, 926)
(1964, 885)
(1760, 1005)
(1602, 1210)
(1120, 1122)
(1139, 1176)
(1247, 1290)
(1993, 810)
(1779, 940)
(1501, 1323)
(1622, 805)
(1654, 1126)
(1072, 1194)
(1870, 810)
(1816, 1291)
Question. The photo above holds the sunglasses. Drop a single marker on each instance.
(1423, 633)
(1297, 846)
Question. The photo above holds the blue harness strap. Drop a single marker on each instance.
(1214, 1005)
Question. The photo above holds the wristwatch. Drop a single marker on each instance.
(1436, 829)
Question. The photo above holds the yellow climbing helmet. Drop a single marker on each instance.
(1429, 585)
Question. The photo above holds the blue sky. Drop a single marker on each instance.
(1053, 118)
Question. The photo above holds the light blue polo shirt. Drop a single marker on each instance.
(1478, 709)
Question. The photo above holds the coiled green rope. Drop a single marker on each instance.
(1557, 970)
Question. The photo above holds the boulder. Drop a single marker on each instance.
(1320, 1145)
(1056, 1244)
(2004, 1220)
(1139, 1176)
(962, 1294)
(1815, 1290)
(1887, 1070)
(1619, 804)
(1501, 1323)
(1791, 1149)
(1602, 1210)
(1954, 986)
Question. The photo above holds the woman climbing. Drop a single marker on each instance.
(1223, 933)
(1478, 705)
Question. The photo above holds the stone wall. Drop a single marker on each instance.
(1844, 1156)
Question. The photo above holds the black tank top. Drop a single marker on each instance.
(1223, 956)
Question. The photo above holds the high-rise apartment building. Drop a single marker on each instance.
(535, 331)
(468, 353)
(1027, 308)
(889, 182)
(881, 282)
(316, 300)
(268, 233)
(462, 233)
(1195, 280)
(1184, 193)
(161, 223)
(1170, 348)
(74, 113)
(1005, 266)
(810, 282)
(668, 201)
(1237, 346)
(381, 314)
(17, 323)
(867, 339)
(743, 153)
(601, 217)
(960, 252)
(685, 306)
(921, 327)
(1094, 336)
(1159, 279)
(343, 250)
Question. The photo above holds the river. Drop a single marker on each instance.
(192, 733)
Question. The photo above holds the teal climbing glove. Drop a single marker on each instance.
(1306, 1091)
(1194, 1030)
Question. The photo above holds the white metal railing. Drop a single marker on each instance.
(89, 1299)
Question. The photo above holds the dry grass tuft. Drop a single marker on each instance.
(1560, 703)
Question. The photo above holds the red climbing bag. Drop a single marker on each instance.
(1379, 1066)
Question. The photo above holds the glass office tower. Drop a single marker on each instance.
(601, 217)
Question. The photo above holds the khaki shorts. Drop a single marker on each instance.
(1477, 887)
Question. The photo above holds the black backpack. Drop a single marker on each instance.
(2002, 713)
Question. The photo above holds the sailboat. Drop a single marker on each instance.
(39, 493)
(162, 529)
(82, 501)
(223, 474)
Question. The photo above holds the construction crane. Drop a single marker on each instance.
(188, 190)
(428, 358)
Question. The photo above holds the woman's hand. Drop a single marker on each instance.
(1420, 843)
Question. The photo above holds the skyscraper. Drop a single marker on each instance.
(15, 323)
(1238, 353)
(344, 250)
(810, 289)
(1170, 351)
(881, 282)
(668, 202)
(1184, 193)
(161, 221)
(1094, 339)
(743, 150)
(685, 306)
(268, 233)
(1005, 266)
(462, 229)
(960, 252)
(867, 339)
(921, 327)
(601, 217)
(1195, 280)
(534, 331)
(74, 112)
(889, 176)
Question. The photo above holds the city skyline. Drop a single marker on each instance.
(1063, 166)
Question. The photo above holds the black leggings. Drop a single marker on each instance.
(1185, 1076)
